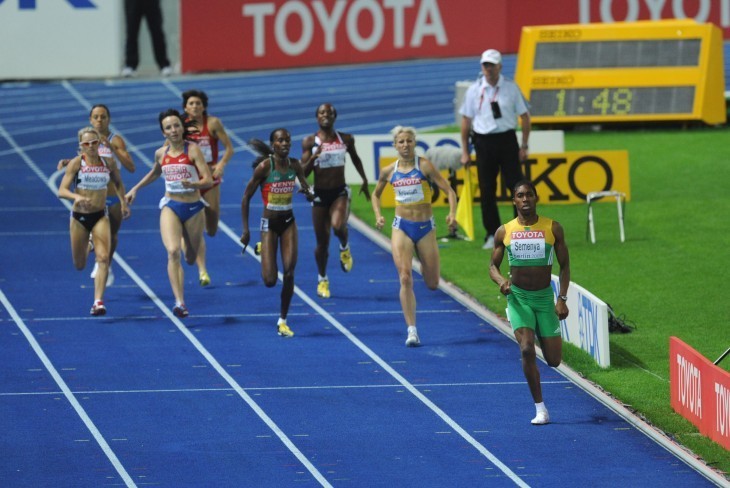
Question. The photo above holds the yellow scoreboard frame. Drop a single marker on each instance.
(633, 71)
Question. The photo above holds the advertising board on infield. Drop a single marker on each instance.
(560, 177)
(587, 324)
(700, 391)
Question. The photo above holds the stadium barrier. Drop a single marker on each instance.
(265, 34)
(260, 34)
(700, 391)
(60, 39)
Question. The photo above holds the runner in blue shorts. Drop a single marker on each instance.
(182, 164)
(413, 231)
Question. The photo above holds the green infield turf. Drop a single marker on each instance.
(667, 278)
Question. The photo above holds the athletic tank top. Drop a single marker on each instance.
(177, 169)
(410, 188)
(207, 143)
(278, 189)
(529, 245)
(331, 154)
(92, 177)
(106, 151)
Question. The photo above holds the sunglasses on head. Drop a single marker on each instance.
(93, 142)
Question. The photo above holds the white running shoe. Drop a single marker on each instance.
(541, 418)
(128, 72)
(489, 243)
(110, 277)
(413, 340)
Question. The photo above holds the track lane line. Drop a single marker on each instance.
(181, 327)
(70, 397)
(42, 355)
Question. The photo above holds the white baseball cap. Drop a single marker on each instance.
(491, 56)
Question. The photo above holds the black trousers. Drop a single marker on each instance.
(495, 154)
(134, 11)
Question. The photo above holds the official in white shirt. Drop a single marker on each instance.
(490, 110)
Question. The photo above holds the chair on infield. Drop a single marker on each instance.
(620, 202)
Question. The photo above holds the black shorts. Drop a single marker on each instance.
(89, 220)
(325, 198)
(278, 223)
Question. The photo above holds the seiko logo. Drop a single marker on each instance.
(552, 80)
(561, 34)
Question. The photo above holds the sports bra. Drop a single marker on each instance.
(411, 188)
(106, 151)
(277, 190)
(177, 169)
(93, 177)
(529, 245)
(207, 143)
(331, 154)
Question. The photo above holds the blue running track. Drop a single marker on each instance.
(140, 398)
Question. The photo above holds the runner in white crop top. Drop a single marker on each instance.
(111, 146)
(324, 153)
(93, 177)
(90, 174)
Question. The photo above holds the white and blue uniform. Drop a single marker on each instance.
(412, 188)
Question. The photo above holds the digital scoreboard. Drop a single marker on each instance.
(633, 71)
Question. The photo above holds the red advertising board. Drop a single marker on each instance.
(700, 391)
(238, 35)
(220, 35)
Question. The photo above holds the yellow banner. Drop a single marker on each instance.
(465, 207)
(559, 178)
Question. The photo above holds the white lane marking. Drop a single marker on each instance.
(70, 397)
(201, 349)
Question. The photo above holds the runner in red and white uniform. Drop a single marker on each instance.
(208, 131)
(181, 220)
